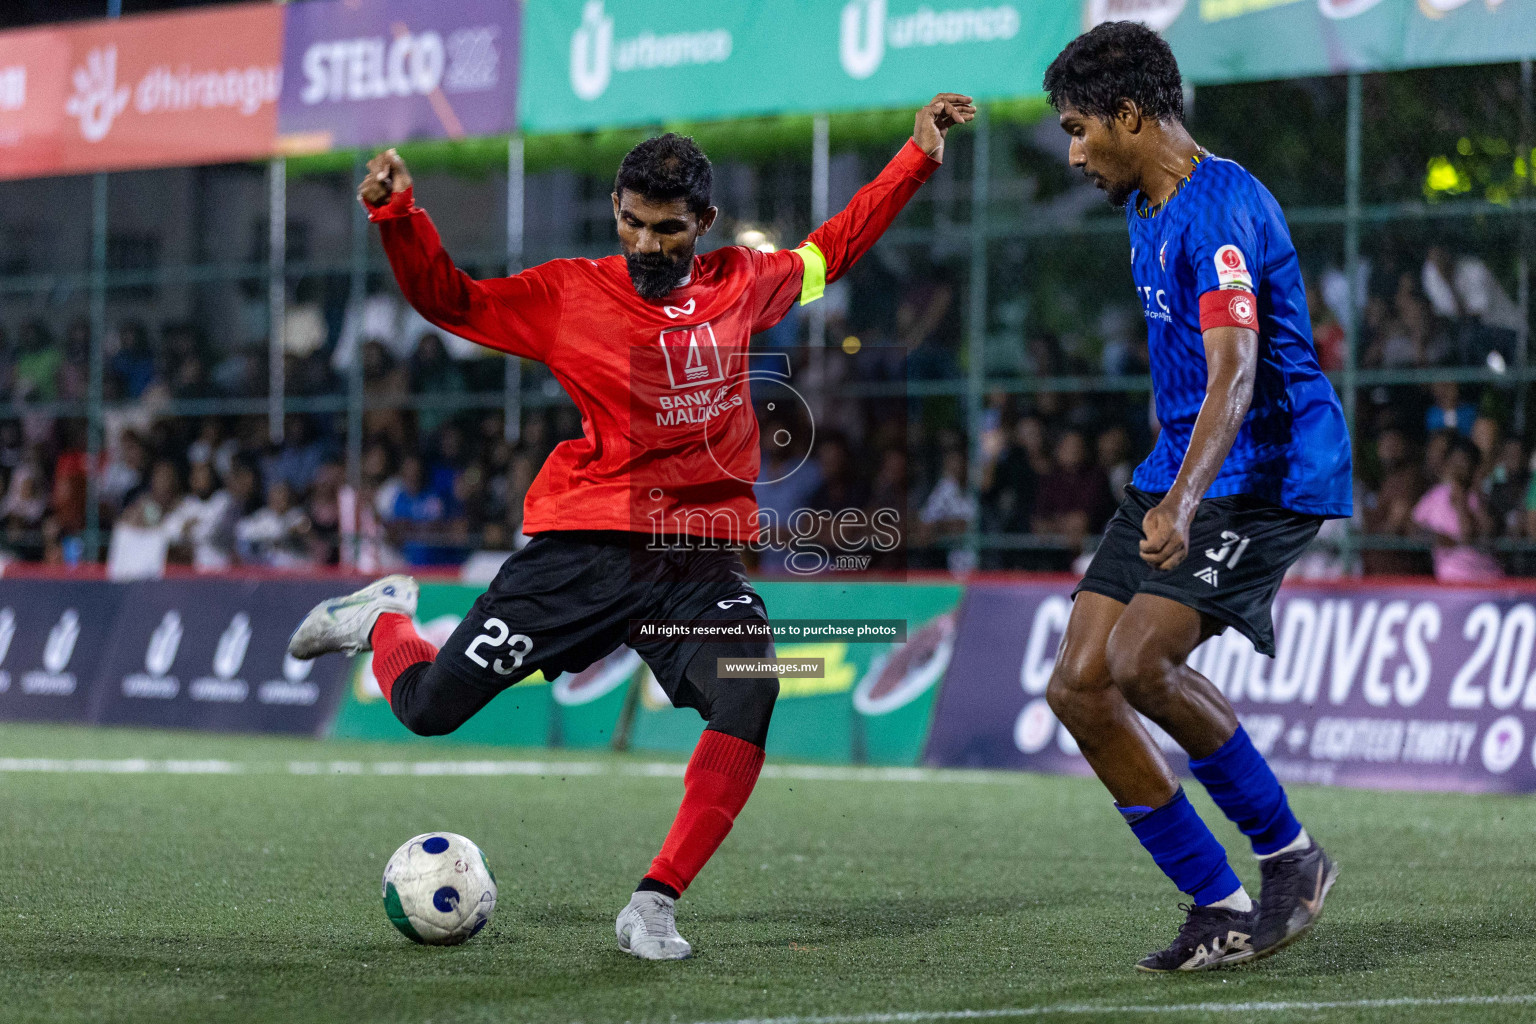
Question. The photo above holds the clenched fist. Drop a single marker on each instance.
(1167, 531)
(386, 176)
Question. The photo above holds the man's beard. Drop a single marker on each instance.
(1118, 193)
(654, 274)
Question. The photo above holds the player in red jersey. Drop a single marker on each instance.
(642, 516)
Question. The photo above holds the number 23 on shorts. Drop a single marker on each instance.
(498, 633)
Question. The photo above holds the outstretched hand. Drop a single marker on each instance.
(386, 175)
(934, 120)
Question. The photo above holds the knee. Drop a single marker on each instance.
(743, 708)
(1075, 682)
(424, 721)
(422, 703)
(1141, 668)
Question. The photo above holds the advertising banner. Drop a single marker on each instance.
(213, 655)
(1390, 687)
(53, 636)
(873, 703)
(358, 74)
(147, 91)
(598, 63)
(1248, 40)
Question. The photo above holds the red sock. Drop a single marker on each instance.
(396, 647)
(719, 779)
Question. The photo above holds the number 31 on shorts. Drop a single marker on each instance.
(498, 633)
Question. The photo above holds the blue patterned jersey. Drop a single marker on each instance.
(1219, 252)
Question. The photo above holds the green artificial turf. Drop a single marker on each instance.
(254, 895)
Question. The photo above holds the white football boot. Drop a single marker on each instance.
(344, 623)
(647, 928)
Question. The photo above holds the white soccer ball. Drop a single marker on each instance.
(438, 889)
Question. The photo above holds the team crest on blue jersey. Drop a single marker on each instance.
(1162, 256)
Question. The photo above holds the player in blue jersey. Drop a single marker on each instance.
(1252, 457)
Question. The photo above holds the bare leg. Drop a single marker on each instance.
(1146, 654)
(1084, 697)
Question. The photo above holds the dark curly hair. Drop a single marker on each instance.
(666, 168)
(1118, 60)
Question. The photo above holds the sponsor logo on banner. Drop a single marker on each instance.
(294, 689)
(228, 657)
(156, 90)
(899, 676)
(154, 682)
(596, 55)
(867, 27)
(210, 654)
(7, 634)
(1371, 686)
(99, 99)
(1155, 14)
(394, 70)
(53, 681)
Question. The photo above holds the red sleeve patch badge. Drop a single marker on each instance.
(1227, 308)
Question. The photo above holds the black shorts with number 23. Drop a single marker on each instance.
(1239, 550)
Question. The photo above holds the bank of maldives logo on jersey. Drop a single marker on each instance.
(692, 357)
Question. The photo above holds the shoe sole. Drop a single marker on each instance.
(1214, 965)
(653, 959)
(1333, 876)
(625, 948)
(322, 606)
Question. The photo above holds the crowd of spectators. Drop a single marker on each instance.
(215, 491)
(1443, 472)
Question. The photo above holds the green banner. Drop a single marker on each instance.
(874, 702)
(1253, 40)
(872, 705)
(579, 710)
(606, 63)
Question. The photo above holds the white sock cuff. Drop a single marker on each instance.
(1301, 842)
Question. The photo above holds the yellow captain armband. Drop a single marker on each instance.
(814, 283)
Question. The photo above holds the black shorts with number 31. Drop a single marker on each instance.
(1239, 550)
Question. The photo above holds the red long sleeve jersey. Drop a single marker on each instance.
(669, 437)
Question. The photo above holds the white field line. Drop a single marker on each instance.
(1088, 1009)
(643, 769)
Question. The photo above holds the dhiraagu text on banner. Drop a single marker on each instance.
(577, 710)
(604, 63)
(873, 703)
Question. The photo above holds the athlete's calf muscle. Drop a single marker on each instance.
(1147, 652)
(1084, 697)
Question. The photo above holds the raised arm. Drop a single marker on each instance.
(849, 234)
(517, 314)
(803, 273)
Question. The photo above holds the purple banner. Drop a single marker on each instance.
(365, 72)
(1420, 688)
(214, 655)
(201, 654)
(52, 639)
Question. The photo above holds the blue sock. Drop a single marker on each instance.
(1185, 849)
(1243, 786)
